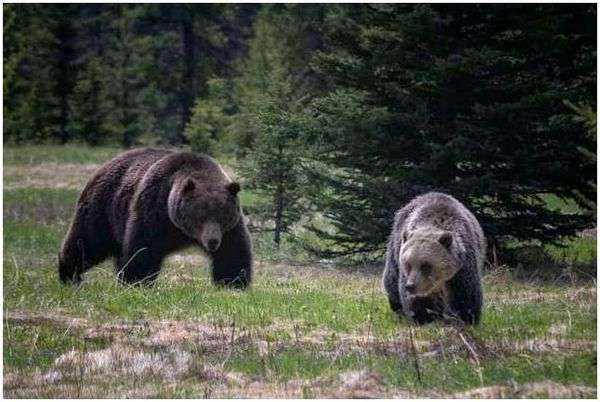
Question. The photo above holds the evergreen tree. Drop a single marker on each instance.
(275, 169)
(87, 103)
(110, 72)
(88, 113)
(33, 102)
(199, 45)
(586, 115)
(270, 93)
(64, 15)
(282, 34)
(207, 127)
(129, 96)
(464, 99)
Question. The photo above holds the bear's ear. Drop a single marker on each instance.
(233, 188)
(446, 239)
(188, 186)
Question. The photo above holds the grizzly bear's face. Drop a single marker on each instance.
(426, 260)
(204, 212)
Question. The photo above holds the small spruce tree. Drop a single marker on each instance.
(207, 128)
(274, 85)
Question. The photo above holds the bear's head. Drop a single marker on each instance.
(204, 212)
(427, 260)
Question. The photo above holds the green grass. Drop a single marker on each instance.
(447, 375)
(45, 206)
(574, 251)
(335, 303)
(313, 319)
(40, 345)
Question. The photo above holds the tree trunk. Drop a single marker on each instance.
(279, 204)
(278, 215)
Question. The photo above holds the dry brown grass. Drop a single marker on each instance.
(48, 175)
(544, 389)
(570, 294)
(165, 352)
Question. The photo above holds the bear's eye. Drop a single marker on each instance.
(408, 268)
(425, 268)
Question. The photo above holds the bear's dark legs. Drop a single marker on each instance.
(466, 297)
(141, 267)
(143, 251)
(423, 310)
(82, 250)
(471, 315)
(390, 282)
(232, 262)
(468, 309)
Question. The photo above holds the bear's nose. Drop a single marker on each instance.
(410, 288)
(213, 244)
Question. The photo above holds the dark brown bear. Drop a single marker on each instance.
(147, 203)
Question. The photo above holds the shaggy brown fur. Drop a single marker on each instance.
(434, 260)
(147, 203)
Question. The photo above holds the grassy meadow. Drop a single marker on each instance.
(304, 329)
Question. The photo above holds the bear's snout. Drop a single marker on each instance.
(210, 236)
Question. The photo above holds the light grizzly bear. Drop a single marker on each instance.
(434, 259)
(147, 203)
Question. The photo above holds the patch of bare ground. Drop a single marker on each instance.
(48, 175)
(222, 340)
(162, 351)
(101, 379)
(213, 339)
(370, 384)
(207, 339)
(55, 175)
(545, 389)
(54, 319)
(85, 390)
(569, 294)
(117, 371)
(352, 384)
(475, 349)
(43, 212)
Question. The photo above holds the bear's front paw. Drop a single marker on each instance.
(238, 282)
(71, 279)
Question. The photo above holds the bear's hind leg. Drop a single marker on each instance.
(81, 251)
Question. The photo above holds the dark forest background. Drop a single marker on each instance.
(333, 115)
